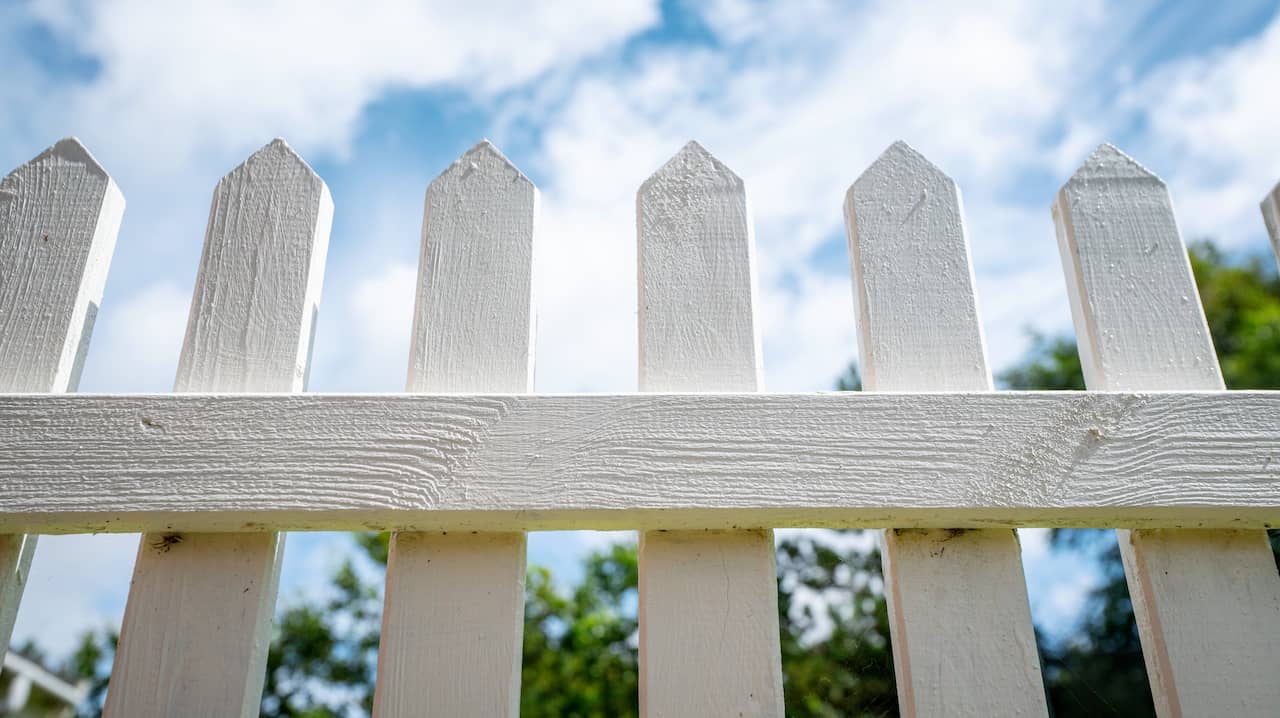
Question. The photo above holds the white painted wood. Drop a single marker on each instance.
(33, 673)
(709, 642)
(709, 584)
(963, 642)
(197, 624)
(917, 316)
(952, 653)
(455, 604)
(454, 612)
(59, 216)
(661, 461)
(1139, 323)
(16, 552)
(1271, 216)
(473, 320)
(1207, 603)
(697, 277)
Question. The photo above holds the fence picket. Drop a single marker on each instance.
(197, 623)
(59, 216)
(1207, 603)
(918, 330)
(1170, 455)
(1271, 216)
(709, 640)
(454, 611)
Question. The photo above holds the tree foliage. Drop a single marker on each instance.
(1100, 670)
(580, 641)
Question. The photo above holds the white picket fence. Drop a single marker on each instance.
(469, 460)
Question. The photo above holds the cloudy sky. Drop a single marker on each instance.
(588, 99)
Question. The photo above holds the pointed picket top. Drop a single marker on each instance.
(68, 151)
(697, 332)
(276, 164)
(1109, 162)
(1139, 322)
(59, 216)
(918, 326)
(1140, 327)
(473, 316)
(899, 161)
(918, 330)
(258, 289)
(901, 173)
(67, 155)
(1271, 215)
(697, 278)
(485, 158)
(694, 164)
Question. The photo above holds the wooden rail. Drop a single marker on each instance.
(185, 462)
(1187, 471)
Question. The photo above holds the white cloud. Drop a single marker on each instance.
(1035, 543)
(136, 341)
(801, 97)
(362, 341)
(77, 584)
(797, 97)
(228, 75)
(1213, 136)
(799, 106)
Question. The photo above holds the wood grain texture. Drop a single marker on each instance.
(1207, 604)
(708, 583)
(697, 332)
(454, 612)
(473, 320)
(258, 290)
(197, 623)
(963, 642)
(197, 626)
(918, 327)
(455, 604)
(1271, 217)
(59, 216)
(1139, 323)
(696, 264)
(949, 587)
(663, 461)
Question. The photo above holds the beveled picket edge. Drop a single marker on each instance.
(208, 462)
(919, 330)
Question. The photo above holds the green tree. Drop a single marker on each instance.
(580, 655)
(1100, 670)
(580, 647)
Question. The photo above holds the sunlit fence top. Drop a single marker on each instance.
(468, 460)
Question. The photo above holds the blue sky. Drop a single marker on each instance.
(588, 99)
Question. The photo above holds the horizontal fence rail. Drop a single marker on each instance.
(1187, 471)
(74, 464)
